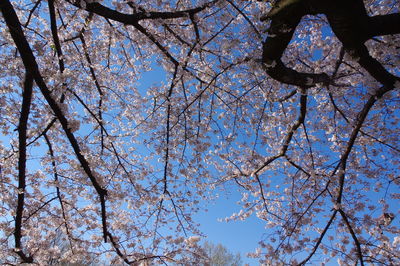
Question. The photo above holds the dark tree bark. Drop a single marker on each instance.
(350, 23)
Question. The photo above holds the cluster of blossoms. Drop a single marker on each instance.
(119, 118)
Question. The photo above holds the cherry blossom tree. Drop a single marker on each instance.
(294, 102)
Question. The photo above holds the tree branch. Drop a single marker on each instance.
(139, 13)
(383, 25)
(30, 64)
(354, 236)
(22, 137)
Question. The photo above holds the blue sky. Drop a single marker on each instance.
(237, 236)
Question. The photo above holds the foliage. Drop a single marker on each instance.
(218, 255)
(295, 103)
(209, 254)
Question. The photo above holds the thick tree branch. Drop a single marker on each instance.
(352, 26)
(349, 21)
(54, 33)
(383, 25)
(374, 68)
(30, 64)
(280, 34)
(22, 129)
(139, 14)
(278, 71)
